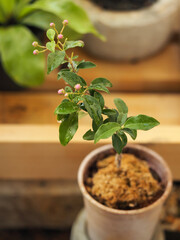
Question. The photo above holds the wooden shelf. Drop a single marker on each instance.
(158, 73)
(29, 147)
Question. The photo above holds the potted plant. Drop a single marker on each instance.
(134, 28)
(124, 186)
(20, 21)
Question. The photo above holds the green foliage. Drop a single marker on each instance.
(71, 78)
(85, 65)
(122, 109)
(102, 81)
(73, 44)
(68, 128)
(89, 135)
(66, 108)
(93, 107)
(99, 87)
(100, 98)
(80, 97)
(141, 122)
(131, 132)
(65, 9)
(16, 39)
(51, 46)
(106, 130)
(51, 34)
(17, 58)
(117, 143)
(54, 60)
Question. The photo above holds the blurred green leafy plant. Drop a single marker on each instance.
(16, 16)
(79, 97)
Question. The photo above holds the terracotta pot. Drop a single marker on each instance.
(131, 35)
(104, 223)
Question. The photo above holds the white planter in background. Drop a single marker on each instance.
(131, 34)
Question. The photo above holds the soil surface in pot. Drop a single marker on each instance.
(124, 5)
(134, 185)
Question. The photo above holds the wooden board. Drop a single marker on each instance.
(38, 108)
(158, 73)
(33, 152)
(38, 204)
(29, 147)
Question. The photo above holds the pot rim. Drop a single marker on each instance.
(161, 8)
(118, 211)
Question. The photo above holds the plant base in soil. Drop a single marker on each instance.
(124, 5)
(131, 186)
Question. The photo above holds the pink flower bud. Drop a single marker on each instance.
(60, 91)
(65, 94)
(35, 44)
(35, 52)
(77, 86)
(65, 22)
(52, 24)
(60, 36)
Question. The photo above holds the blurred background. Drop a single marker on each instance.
(39, 196)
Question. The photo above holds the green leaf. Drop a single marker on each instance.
(89, 135)
(121, 119)
(121, 105)
(60, 116)
(84, 65)
(71, 78)
(41, 19)
(54, 60)
(73, 44)
(141, 122)
(68, 89)
(110, 112)
(65, 9)
(117, 143)
(6, 9)
(131, 132)
(76, 99)
(17, 56)
(51, 46)
(98, 87)
(102, 81)
(100, 98)
(96, 126)
(68, 128)
(93, 107)
(106, 130)
(123, 138)
(66, 108)
(50, 34)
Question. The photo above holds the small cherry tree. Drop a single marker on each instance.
(79, 97)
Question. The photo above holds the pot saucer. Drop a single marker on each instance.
(78, 231)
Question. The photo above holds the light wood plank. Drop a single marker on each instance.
(33, 151)
(35, 108)
(160, 73)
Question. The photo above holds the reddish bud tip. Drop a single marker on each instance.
(61, 91)
(35, 44)
(52, 24)
(65, 22)
(60, 36)
(35, 52)
(77, 86)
